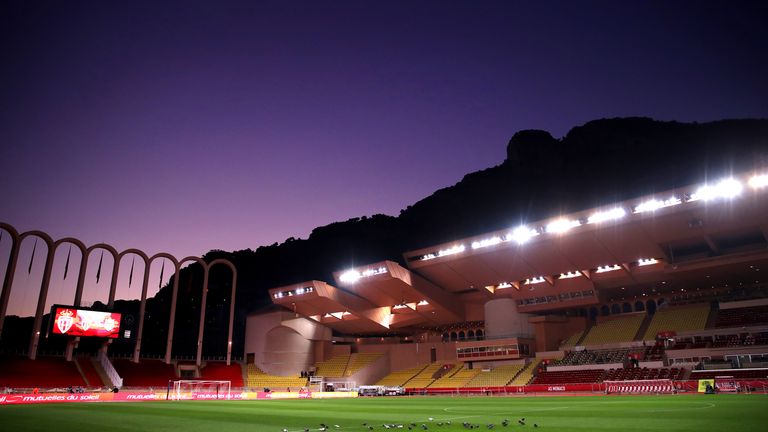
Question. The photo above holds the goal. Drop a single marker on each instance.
(199, 390)
(640, 386)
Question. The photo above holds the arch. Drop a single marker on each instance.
(43, 294)
(626, 307)
(446, 337)
(605, 310)
(83, 265)
(615, 309)
(221, 261)
(143, 303)
(462, 335)
(479, 334)
(639, 306)
(471, 334)
(454, 336)
(9, 271)
(593, 313)
(174, 300)
(115, 268)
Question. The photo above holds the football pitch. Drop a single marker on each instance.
(594, 413)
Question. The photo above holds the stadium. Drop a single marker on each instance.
(660, 298)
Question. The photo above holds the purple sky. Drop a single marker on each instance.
(186, 126)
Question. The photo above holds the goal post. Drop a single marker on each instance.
(200, 390)
(654, 386)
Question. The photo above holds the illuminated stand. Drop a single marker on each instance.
(199, 389)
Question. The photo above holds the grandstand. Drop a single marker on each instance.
(256, 378)
(458, 377)
(478, 312)
(678, 319)
(400, 378)
(424, 378)
(496, 377)
(618, 329)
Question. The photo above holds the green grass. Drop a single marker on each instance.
(743, 413)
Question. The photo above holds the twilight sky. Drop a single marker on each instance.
(184, 126)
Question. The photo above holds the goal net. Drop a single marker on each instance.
(199, 390)
(640, 386)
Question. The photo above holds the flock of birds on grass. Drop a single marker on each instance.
(411, 426)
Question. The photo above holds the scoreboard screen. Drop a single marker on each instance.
(76, 321)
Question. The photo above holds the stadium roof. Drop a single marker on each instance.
(700, 235)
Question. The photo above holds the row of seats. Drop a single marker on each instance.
(497, 377)
(424, 378)
(599, 375)
(221, 372)
(359, 361)
(333, 367)
(19, 372)
(619, 329)
(256, 378)
(678, 319)
(593, 357)
(456, 378)
(740, 317)
(148, 373)
(399, 378)
(740, 374)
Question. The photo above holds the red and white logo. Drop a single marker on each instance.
(65, 320)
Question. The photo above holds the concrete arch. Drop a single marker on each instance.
(45, 284)
(174, 299)
(16, 240)
(143, 304)
(83, 264)
(221, 261)
(9, 271)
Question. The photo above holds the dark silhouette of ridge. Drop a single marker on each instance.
(598, 163)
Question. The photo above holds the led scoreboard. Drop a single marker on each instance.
(77, 321)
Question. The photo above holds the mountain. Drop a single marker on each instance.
(595, 164)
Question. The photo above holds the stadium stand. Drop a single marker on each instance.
(44, 372)
(572, 340)
(619, 329)
(627, 374)
(740, 317)
(147, 373)
(256, 378)
(458, 377)
(497, 377)
(593, 357)
(221, 372)
(91, 375)
(424, 378)
(333, 367)
(399, 378)
(526, 375)
(683, 318)
(569, 377)
(359, 361)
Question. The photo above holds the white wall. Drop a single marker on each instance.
(502, 319)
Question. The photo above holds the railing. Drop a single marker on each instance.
(110, 370)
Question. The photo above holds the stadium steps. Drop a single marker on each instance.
(399, 378)
(360, 361)
(525, 375)
(457, 377)
(424, 378)
(497, 377)
(643, 328)
(333, 367)
(714, 314)
(90, 373)
(573, 340)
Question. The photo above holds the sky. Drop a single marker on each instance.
(186, 126)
